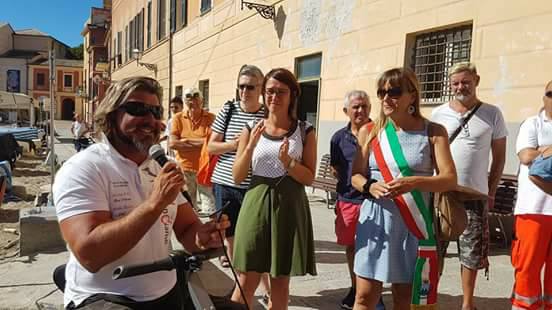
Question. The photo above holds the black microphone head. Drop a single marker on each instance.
(155, 151)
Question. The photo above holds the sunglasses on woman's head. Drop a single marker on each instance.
(393, 92)
(141, 109)
(548, 94)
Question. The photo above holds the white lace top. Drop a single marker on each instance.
(265, 161)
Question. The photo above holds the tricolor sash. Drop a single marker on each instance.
(416, 215)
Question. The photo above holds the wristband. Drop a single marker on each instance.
(366, 188)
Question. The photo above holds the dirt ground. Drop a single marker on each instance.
(29, 175)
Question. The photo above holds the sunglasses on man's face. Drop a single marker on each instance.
(393, 92)
(141, 109)
(245, 86)
(548, 94)
(190, 96)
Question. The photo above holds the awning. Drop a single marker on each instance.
(14, 101)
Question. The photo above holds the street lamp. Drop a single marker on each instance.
(138, 55)
(266, 11)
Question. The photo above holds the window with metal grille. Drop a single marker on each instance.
(432, 56)
(204, 89)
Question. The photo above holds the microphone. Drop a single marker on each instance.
(157, 153)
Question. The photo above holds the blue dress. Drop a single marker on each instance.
(385, 250)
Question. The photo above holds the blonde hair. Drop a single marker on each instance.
(462, 67)
(404, 78)
(117, 94)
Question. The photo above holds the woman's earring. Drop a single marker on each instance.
(411, 109)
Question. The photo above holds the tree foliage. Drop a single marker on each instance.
(77, 51)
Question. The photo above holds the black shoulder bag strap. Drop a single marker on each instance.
(230, 104)
(466, 120)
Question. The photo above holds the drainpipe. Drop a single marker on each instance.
(171, 32)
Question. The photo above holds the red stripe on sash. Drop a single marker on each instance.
(431, 255)
(399, 200)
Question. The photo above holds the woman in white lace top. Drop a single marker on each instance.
(274, 230)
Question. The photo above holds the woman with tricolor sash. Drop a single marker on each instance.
(403, 158)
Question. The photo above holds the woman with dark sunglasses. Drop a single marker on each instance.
(223, 142)
(395, 172)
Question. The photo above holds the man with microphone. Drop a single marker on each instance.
(117, 206)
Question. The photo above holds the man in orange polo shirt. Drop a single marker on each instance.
(188, 132)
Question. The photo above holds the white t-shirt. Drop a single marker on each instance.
(534, 132)
(168, 127)
(78, 129)
(471, 148)
(100, 179)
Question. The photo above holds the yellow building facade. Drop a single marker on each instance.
(336, 46)
(68, 82)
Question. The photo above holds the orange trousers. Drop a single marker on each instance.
(531, 250)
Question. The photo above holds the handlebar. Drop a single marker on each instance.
(140, 269)
(177, 259)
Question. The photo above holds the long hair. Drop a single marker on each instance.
(250, 71)
(285, 76)
(404, 78)
(116, 95)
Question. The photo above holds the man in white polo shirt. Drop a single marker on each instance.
(485, 132)
(532, 247)
(116, 206)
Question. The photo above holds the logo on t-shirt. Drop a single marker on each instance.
(166, 221)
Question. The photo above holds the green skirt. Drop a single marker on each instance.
(274, 229)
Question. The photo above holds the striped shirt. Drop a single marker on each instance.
(239, 118)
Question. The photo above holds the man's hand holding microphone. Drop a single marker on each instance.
(166, 187)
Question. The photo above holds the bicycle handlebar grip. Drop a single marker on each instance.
(209, 253)
(140, 269)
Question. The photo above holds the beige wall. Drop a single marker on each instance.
(6, 39)
(123, 11)
(159, 55)
(31, 43)
(359, 39)
(512, 43)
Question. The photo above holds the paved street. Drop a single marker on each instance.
(28, 279)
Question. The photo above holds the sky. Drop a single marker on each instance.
(62, 19)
